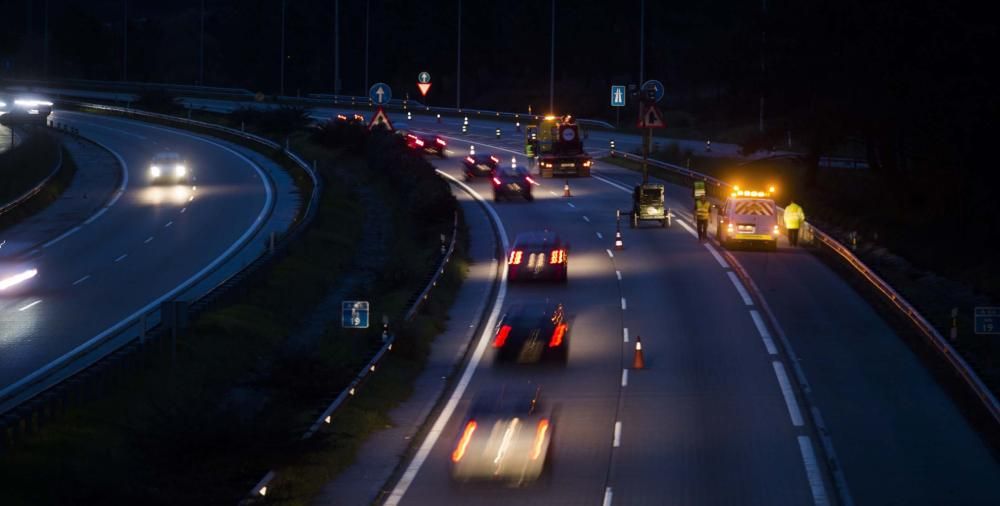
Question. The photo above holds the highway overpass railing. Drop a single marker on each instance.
(26, 403)
(958, 364)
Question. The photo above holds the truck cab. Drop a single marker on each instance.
(559, 147)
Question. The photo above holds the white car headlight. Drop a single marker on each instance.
(155, 171)
(180, 171)
(17, 279)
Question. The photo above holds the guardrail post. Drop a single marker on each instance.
(243, 126)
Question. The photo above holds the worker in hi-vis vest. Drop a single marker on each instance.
(794, 217)
(702, 209)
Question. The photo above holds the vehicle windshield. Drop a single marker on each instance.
(513, 172)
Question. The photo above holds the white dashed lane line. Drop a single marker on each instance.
(119, 259)
(619, 275)
(586, 219)
(600, 235)
(625, 334)
(171, 222)
(570, 204)
(788, 393)
(764, 334)
(688, 228)
(740, 288)
(607, 497)
(624, 377)
(610, 254)
(813, 472)
(29, 305)
(148, 240)
(618, 435)
(183, 209)
(624, 306)
(81, 280)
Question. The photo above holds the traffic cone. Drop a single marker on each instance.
(566, 192)
(408, 115)
(619, 245)
(638, 362)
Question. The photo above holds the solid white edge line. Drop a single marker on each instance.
(95, 216)
(688, 228)
(625, 334)
(470, 368)
(788, 394)
(33, 304)
(716, 255)
(624, 306)
(813, 472)
(239, 243)
(607, 497)
(81, 280)
(758, 321)
(618, 435)
(61, 237)
(740, 288)
(624, 376)
(619, 275)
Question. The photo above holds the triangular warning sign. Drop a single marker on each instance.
(424, 88)
(380, 118)
(650, 117)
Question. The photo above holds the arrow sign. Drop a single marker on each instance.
(424, 77)
(380, 118)
(380, 93)
(656, 87)
(650, 117)
(617, 96)
(424, 88)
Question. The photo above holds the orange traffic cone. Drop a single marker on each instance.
(566, 192)
(619, 245)
(637, 361)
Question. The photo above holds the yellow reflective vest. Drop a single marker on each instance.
(702, 209)
(794, 216)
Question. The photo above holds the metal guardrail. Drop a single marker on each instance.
(5, 208)
(140, 320)
(960, 366)
(133, 85)
(325, 418)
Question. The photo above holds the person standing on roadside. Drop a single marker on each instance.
(794, 217)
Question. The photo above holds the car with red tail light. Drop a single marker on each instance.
(538, 256)
(532, 333)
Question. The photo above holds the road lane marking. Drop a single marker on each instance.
(119, 259)
(148, 240)
(813, 472)
(607, 497)
(688, 228)
(81, 280)
(61, 237)
(618, 435)
(29, 305)
(171, 222)
(600, 235)
(740, 288)
(624, 377)
(183, 209)
(96, 215)
(586, 219)
(788, 393)
(553, 193)
(437, 428)
(764, 334)
(619, 275)
(623, 304)
(625, 333)
(612, 183)
(610, 254)
(570, 204)
(716, 255)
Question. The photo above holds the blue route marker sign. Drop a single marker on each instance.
(987, 320)
(380, 93)
(617, 96)
(354, 314)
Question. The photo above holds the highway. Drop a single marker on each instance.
(139, 248)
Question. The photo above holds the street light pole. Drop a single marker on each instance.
(336, 47)
(364, 86)
(281, 85)
(642, 39)
(552, 62)
(45, 43)
(125, 38)
(458, 71)
(201, 46)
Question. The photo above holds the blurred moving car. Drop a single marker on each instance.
(512, 181)
(24, 110)
(13, 274)
(506, 438)
(430, 144)
(168, 167)
(537, 256)
(479, 165)
(532, 333)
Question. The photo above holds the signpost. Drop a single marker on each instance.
(987, 320)
(424, 83)
(354, 314)
(650, 117)
(380, 93)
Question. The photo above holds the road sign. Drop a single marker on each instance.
(650, 117)
(987, 320)
(354, 314)
(617, 96)
(656, 87)
(380, 93)
(424, 77)
(424, 88)
(380, 118)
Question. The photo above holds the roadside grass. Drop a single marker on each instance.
(23, 167)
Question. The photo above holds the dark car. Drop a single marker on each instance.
(480, 166)
(506, 437)
(531, 333)
(512, 182)
(24, 111)
(538, 256)
(430, 144)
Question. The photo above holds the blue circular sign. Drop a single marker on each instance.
(656, 86)
(380, 93)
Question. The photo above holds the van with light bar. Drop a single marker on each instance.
(749, 217)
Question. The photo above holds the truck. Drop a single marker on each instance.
(558, 146)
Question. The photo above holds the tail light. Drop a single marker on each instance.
(729, 228)
(588, 163)
(557, 256)
(470, 159)
(536, 449)
(501, 336)
(496, 182)
(515, 256)
(341, 117)
(557, 336)
(495, 159)
(440, 141)
(464, 442)
(775, 231)
(530, 181)
(418, 142)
